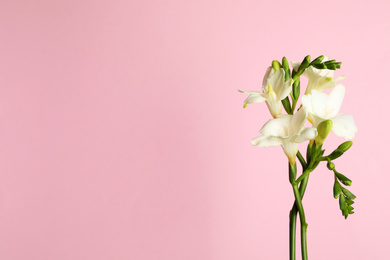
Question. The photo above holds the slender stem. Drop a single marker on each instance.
(294, 210)
(298, 202)
(292, 233)
(301, 160)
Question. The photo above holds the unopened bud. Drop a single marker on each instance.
(317, 60)
(345, 146)
(275, 65)
(330, 165)
(323, 130)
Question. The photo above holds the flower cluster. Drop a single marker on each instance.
(289, 129)
(322, 111)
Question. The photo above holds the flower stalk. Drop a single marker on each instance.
(287, 130)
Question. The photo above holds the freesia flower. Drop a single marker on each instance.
(275, 89)
(322, 107)
(318, 79)
(287, 131)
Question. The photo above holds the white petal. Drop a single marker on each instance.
(298, 121)
(319, 102)
(315, 120)
(344, 126)
(306, 102)
(290, 149)
(277, 126)
(285, 91)
(250, 92)
(266, 141)
(277, 81)
(265, 78)
(275, 107)
(307, 133)
(335, 100)
(339, 78)
(295, 65)
(252, 99)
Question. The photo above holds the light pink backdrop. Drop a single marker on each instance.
(122, 134)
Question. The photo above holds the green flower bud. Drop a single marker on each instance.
(276, 65)
(317, 60)
(319, 66)
(342, 203)
(296, 89)
(343, 179)
(348, 194)
(329, 62)
(345, 146)
(304, 65)
(323, 131)
(330, 165)
(331, 66)
(336, 190)
(286, 68)
(335, 154)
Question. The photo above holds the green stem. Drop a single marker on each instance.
(294, 210)
(298, 202)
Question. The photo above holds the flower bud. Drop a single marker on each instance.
(336, 189)
(323, 130)
(335, 154)
(345, 146)
(317, 60)
(330, 165)
(275, 65)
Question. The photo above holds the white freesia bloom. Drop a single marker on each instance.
(287, 131)
(322, 107)
(275, 89)
(318, 79)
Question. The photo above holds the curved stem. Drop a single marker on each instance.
(294, 209)
(298, 202)
(293, 219)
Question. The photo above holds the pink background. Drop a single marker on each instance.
(122, 134)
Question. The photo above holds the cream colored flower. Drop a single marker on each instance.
(322, 107)
(275, 89)
(287, 131)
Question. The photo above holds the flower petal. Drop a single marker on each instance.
(298, 121)
(285, 91)
(276, 80)
(277, 126)
(335, 100)
(307, 133)
(252, 99)
(250, 92)
(265, 78)
(318, 103)
(290, 149)
(295, 65)
(344, 126)
(266, 141)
